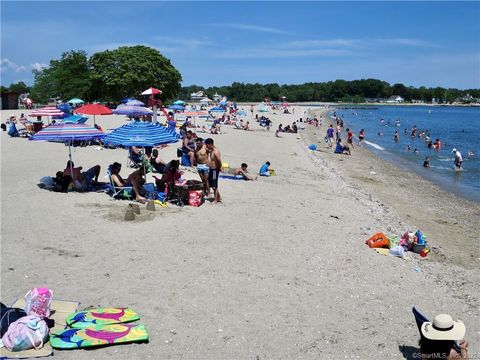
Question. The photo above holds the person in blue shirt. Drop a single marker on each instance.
(340, 149)
(264, 169)
(329, 136)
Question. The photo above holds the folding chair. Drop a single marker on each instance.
(134, 160)
(118, 192)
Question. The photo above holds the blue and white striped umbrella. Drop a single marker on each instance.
(132, 110)
(141, 134)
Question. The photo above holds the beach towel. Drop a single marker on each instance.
(232, 177)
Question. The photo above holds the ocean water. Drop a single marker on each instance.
(456, 127)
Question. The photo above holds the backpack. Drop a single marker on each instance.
(9, 316)
(27, 332)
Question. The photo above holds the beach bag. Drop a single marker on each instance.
(37, 302)
(27, 332)
(9, 316)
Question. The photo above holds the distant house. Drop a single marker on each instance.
(395, 99)
(196, 95)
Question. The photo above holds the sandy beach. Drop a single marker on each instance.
(278, 270)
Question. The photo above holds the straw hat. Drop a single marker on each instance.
(443, 328)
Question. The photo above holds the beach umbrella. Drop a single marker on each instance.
(263, 109)
(206, 100)
(179, 102)
(241, 113)
(135, 102)
(93, 109)
(141, 134)
(176, 107)
(68, 133)
(126, 99)
(75, 101)
(223, 103)
(74, 119)
(47, 111)
(151, 92)
(194, 114)
(216, 110)
(131, 110)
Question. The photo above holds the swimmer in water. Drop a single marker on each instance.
(415, 151)
(470, 153)
(396, 136)
(426, 163)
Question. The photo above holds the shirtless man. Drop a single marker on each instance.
(201, 155)
(243, 172)
(215, 165)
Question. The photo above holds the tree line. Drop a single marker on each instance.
(356, 91)
(128, 70)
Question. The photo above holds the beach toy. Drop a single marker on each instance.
(106, 316)
(99, 335)
(312, 147)
(424, 252)
(378, 240)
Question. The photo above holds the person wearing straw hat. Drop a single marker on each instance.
(440, 339)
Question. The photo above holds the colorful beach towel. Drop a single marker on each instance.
(99, 335)
(87, 318)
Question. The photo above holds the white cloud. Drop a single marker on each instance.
(6, 64)
(280, 53)
(250, 28)
(38, 66)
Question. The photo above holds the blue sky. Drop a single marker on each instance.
(217, 43)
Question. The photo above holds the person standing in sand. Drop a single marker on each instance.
(201, 155)
(215, 165)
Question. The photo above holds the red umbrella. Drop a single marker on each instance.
(151, 91)
(93, 109)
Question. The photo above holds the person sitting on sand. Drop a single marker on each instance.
(242, 172)
(157, 163)
(82, 180)
(340, 149)
(264, 169)
(440, 338)
(136, 181)
(172, 173)
(247, 127)
(215, 129)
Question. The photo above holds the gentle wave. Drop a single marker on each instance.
(376, 146)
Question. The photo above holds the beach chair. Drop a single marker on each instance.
(134, 160)
(420, 319)
(118, 192)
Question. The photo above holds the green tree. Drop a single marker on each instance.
(19, 88)
(129, 70)
(64, 78)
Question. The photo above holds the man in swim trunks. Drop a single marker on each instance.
(201, 155)
(242, 173)
(215, 165)
(350, 138)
